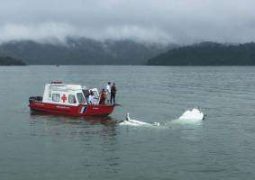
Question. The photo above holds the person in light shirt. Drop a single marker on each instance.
(92, 99)
(108, 91)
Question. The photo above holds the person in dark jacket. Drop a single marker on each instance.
(113, 93)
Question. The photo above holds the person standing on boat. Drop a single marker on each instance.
(113, 93)
(108, 91)
(91, 98)
(102, 97)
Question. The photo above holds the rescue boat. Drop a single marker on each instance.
(69, 100)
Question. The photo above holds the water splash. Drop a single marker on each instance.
(193, 116)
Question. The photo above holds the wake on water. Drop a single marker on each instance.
(194, 116)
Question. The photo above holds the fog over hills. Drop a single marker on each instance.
(117, 31)
(82, 51)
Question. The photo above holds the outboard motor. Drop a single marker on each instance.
(35, 98)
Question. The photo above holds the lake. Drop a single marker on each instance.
(51, 147)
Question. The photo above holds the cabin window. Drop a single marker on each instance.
(80, 98)
(49, 94)
(55, 97)
(71, 99)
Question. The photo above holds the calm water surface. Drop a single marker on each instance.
(49, 147)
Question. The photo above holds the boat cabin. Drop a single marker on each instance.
(68, 94)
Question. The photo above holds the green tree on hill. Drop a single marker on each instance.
(8, 61)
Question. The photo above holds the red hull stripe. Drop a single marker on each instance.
(81, 110)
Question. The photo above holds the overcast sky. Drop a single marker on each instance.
(164, 21)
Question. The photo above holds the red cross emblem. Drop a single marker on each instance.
(64, 98)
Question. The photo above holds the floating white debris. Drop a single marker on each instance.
(134, 122)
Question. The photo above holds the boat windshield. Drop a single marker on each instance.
(86, 93)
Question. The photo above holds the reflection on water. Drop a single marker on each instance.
(87, 137)
(92, 120)
(72, 126)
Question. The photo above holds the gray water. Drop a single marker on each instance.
(43, 147)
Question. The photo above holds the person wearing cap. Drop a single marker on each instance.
(92, 99)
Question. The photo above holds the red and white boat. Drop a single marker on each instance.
(69, 100)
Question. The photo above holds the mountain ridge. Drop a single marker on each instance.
(82, 51)
(10, 61)
(207, 53)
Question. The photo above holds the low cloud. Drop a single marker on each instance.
(44, 32)
(160, 21)
(58, 32)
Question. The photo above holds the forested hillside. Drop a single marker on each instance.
(82, 51)
(208, 53)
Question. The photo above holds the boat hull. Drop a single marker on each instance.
(77, 111)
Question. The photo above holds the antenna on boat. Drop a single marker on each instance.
(127, 117)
